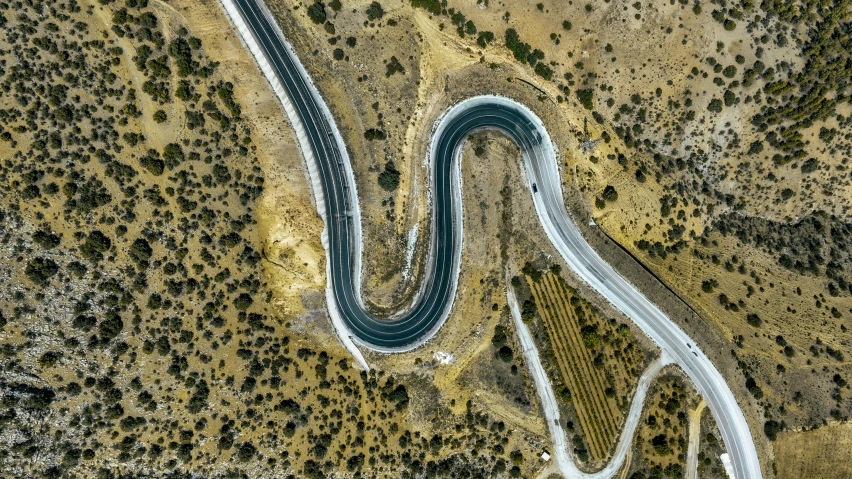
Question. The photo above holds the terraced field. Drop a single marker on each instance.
(597, 360)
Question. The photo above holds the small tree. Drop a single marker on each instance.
(375, 11)
(500, 337)
(393, 66)
(586, 98)
(715, 105)
(753, 319)
(544, 71)
(484, 38)
(660, 443)
(243, 301)
(505, 354)
(246, 452)
(771, 429)
(316, 13)
(389, 179)
(40, 270)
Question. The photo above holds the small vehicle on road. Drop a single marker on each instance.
(535, 188)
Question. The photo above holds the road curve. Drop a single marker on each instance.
(334, 190)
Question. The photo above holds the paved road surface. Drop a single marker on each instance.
(330, 170)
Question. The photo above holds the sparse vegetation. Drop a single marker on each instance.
(130, 209)
(661, 437)
(597, 362)
(134, 209)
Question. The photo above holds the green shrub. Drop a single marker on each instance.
(485, 38)
(46, 239)
(95, 246)
(181, 52)
(715, 105)
(544, 71)
(184, 90)
(771, 429)
(532, 272)
(389, 178)
(173, 155)
(586, 98)
(506, 354)
(528, 310)
(140, 251)
(500, 336)
(40, 270)
(154, 165)
(110, 327)
(590, 335)
(375, 11)
(661, 446)
(755, 147)
(316, 13)
(371, 134)
(432, 6)
(519, 49)
(243, 301)
(246, 452)
(810, 165)
(753, 319)
(31, 192)
(393, 66)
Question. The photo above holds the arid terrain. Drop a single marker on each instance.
(165, 309)
(725, 158)
(661, 441)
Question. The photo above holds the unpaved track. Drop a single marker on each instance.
(562, 457)
(694, 439)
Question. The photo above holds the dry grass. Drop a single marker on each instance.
(792, 306)
(441, 67)
(588, 354)
(821, 453)
(289, 227)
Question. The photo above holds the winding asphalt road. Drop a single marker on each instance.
(330, 170)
